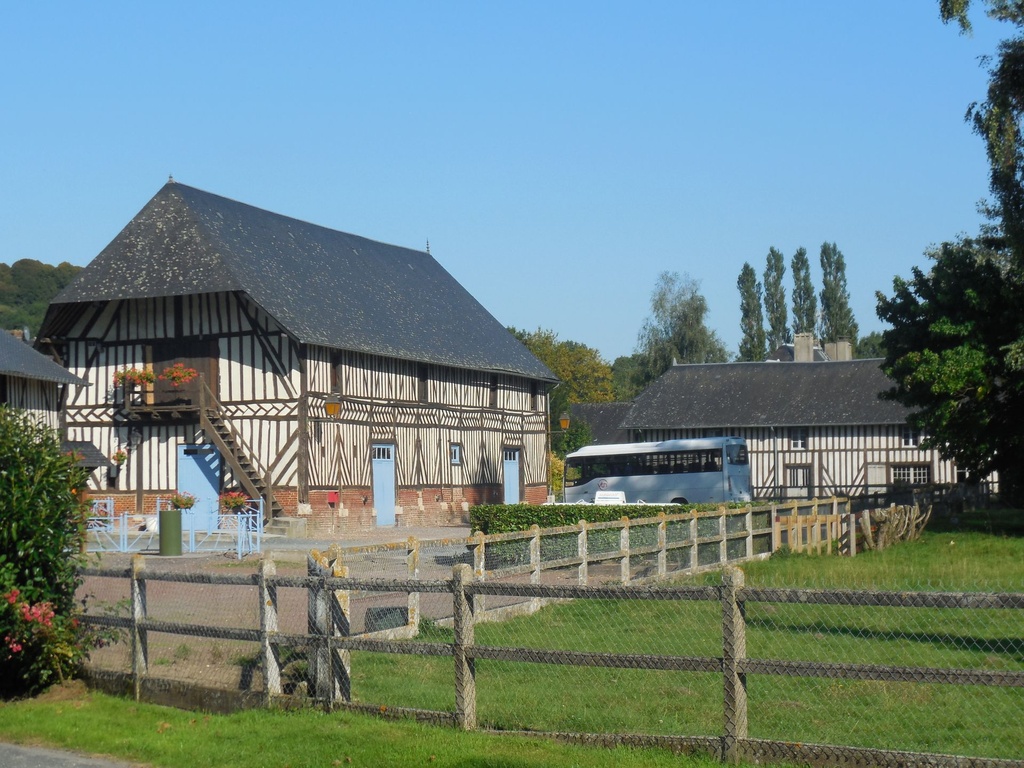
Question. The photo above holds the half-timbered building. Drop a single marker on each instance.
(346, 382)
(812, 428)
(31, 382)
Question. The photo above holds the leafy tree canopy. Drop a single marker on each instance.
(676, 330)
(836, 315)
(946, 353)
(752, 344)
(775, 300)
(805, 303)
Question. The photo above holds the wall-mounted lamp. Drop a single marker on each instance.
(563, 420)
(365, 499)
(135, 438)
(332, 406)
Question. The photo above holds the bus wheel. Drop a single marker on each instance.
(679, 501)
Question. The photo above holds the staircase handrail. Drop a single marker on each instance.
(208, 402)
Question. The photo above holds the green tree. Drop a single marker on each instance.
(805, 303)
(775, 300)
(42, 529)
(676, 330)
(624, 377)
(836, 316)
(870, 346)
(752, 345)
(585, 378)
(946, 354)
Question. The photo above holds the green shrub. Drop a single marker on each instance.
(42, 529)
(504, 518)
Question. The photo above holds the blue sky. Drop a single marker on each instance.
(558, 156)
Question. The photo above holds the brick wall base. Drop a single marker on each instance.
(349, 511)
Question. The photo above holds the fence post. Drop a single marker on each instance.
(723, 550)
(480, 565)
(465, 666)
(413, 563)
(328, 616)
(269, 626)
(734, 652)
(140, 639)
(694, 530)
(776, 532)
(851, 525)
(662, 545)
(749, 523)
(624, 548)
(581, 550)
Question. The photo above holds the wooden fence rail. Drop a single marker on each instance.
(329, 642)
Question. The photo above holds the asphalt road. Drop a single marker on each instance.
(12, 756)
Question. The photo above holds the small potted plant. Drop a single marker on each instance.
(182, 500)
(118, 458)
(135, 376)
(178, 374)
(233, 501)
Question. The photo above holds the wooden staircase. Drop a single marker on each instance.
(238, 456)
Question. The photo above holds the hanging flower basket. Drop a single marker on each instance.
(183, 500)
(178, 374)
(233, 501)
(119, 457)
(136, 376)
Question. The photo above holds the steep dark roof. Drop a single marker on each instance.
(766, 394)
(323, 286)
(19, 359)
(604, 420)
(89, 455)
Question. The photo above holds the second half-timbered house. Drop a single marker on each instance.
(347, 382)
(812, 428)
(31, 382)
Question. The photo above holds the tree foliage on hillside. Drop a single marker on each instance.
(752, 343)
(676, 330)
(26, 288)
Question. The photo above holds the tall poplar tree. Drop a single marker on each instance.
(775, 300)
(836, 316)
(752, 345)
(805, 303)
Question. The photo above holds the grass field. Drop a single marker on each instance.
(952, 719)
(958, 719)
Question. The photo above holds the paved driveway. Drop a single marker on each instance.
(12, 756)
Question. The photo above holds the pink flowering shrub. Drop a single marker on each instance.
(42, 537)
(38, 647)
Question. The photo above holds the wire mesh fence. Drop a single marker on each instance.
(550, 642)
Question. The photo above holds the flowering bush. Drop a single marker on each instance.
(42, 530)
(182, 500)
(120, 456)
(137, 376)
(178, 374)
(233, 501)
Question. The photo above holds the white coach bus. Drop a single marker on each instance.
(712, 469)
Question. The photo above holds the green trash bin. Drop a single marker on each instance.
(170, 531)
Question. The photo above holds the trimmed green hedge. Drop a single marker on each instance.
(505, 518)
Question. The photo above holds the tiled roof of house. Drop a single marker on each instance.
(766, 394)
(19, 359)
(604, 420)
(323, 286)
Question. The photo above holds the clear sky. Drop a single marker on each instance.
(557, 155)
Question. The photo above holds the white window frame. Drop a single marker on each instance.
(798, 438)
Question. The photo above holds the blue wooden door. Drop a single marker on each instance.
(510, 464)
(199, 475)
(384, 483)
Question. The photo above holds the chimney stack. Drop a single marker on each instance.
(803, 348)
